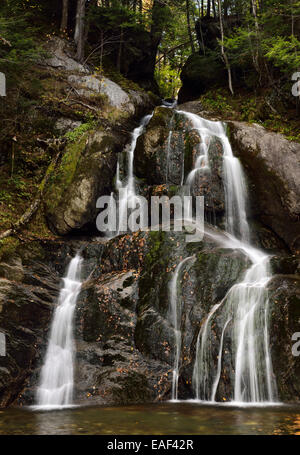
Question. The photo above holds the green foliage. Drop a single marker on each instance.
(215, 101)
(284, 53)
(18, 47)
(168, 80)
(78, 132)
(174, 48)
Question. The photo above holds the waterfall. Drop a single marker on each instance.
(56, 383)
(127, 191)
(175, 317)
(234, 180)
(244, 309)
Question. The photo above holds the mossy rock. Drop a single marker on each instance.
(86, 172)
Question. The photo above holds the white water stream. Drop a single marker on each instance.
(126, 188)
(57, 381)
(244, 309)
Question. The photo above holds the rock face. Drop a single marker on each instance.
(92, 86)
(284, 293)
(85, 174)
(272, 164)
(125, 341)
(27, 295)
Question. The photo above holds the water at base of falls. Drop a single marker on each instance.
(245, 309)
(56, 382)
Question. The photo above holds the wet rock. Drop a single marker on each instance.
(125, 342)
(285, 265)
(150, 158)
(210, 183)
(26, 309)
(167, 152)
(284, 295)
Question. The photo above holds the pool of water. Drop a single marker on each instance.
(159, 419)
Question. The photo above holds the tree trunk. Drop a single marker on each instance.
(225, 58)
(64, 16)
(208, 8)
(79, 30)
(214, 9)
(189, 25)
(256, 53)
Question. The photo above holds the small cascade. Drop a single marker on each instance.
(205, 129)
(235, 193)
(127, 188)
(56, 384)
(175, 317)
(168, 154)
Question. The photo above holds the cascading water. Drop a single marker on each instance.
(127, 191)
(175, 316)
(244, 309)
(56, 384)
(234, 181)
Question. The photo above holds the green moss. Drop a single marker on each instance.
(61, 179)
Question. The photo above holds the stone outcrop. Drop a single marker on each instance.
(85, 173)
(159, 155)
(272, 164)
(199, 74)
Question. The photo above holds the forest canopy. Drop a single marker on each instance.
(160, 44)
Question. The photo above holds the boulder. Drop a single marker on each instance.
(272, 164)
(199, 74)
(91, 85)
(64, 125)
(85, 173)
(161, 156)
